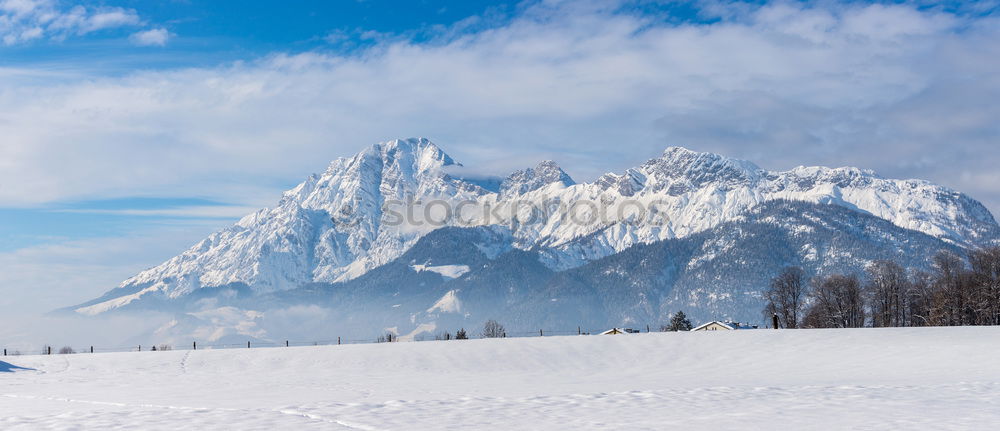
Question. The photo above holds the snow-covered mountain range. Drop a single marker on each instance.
(338, 227)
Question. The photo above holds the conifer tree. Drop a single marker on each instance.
(679, 322)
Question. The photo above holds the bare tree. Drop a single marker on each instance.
(66, 350)
(784, 296)
(950, 298)
(887, 290)
(493, 329)
(920, 299)
(837, 302)
(957, 291)
(985, 277)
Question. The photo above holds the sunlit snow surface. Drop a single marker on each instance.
(937, 378)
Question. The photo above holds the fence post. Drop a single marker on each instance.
(578, 332)
(647, 329)
(50, 350)
(91, 349)
(338, 341)
(194, 345)
(540, 334)
(140, 347)
(286, 343)
(248, 344)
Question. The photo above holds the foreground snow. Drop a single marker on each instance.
(808, 379)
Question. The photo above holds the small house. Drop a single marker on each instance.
(614, 331)
(714, 325)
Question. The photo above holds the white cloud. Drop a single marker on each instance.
(153, 37)
(880, 86)
(26, 20)
(206, 211)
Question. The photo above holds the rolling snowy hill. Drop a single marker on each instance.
(717, 229)
(900, 378)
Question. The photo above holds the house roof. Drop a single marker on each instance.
(613, 331)
(702, 326)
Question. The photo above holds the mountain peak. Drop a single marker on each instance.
(679, 164)
(549, 169)
(425, 154)
(699, 160)
(544, 173)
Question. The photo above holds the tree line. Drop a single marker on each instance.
(955, 291)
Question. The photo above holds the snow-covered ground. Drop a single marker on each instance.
(927, 378)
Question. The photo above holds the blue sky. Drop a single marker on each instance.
(131, 129)
(200, 33)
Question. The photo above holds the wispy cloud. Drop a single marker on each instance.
(201, 212)
(590, 84)
(152, 37)
(27, 20)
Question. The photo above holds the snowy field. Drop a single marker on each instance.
(940, 378)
